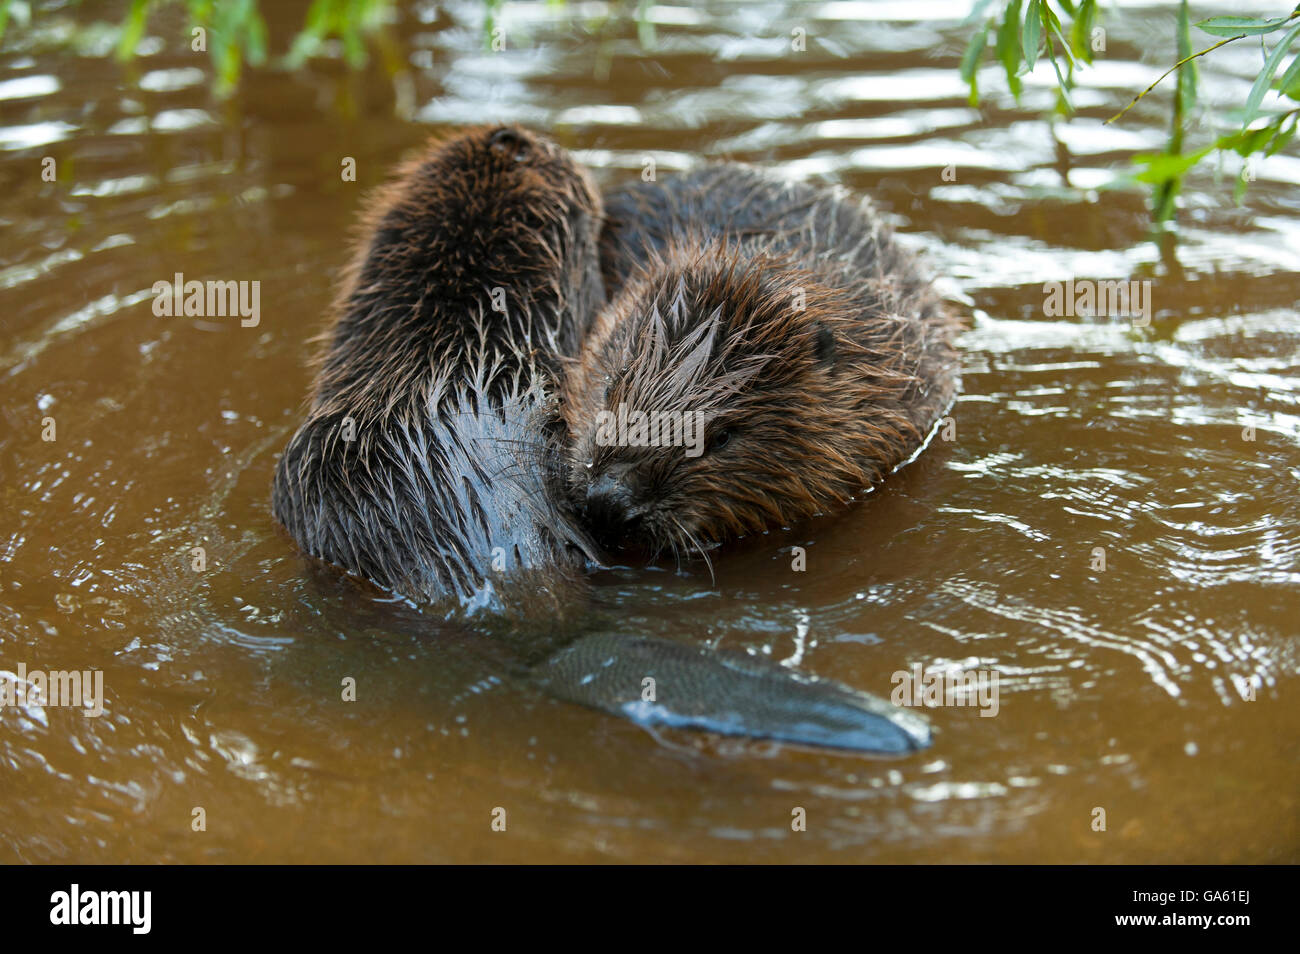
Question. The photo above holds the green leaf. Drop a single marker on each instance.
(971, 58)
(1062, 83)
(1281, 138)
(1246, 141)
(977, 12)
(1033, 27)
(1008, 47)
(1188, 73)
(354, 49)
(1053, 25)
(1289, 84)
(316, 26)
(1081, 30)
(645, 28)
(255, 42)
(301, 49)
(1239, 189)
(132, 29)
(1162, 167)
(1239, 26)
(1265, 78)
(227, 59)
(317, 21)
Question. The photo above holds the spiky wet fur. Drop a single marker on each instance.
(452, 466)
(818, 403)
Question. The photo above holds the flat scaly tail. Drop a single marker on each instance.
(727, 692)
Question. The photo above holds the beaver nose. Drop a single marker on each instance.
(611, 509)
(508, 141)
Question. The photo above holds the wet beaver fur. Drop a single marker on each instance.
(810, 342)
(425, 463)
(428, 462)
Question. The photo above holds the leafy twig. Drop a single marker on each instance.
(1186, 59)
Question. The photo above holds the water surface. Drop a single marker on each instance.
(1161, 689)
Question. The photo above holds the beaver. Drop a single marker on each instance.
(787, 322)
(425, 463)
(429, 462)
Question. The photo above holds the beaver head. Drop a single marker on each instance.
(727, 390)
(476, 261)
(424, 462)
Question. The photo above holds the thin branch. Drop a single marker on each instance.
(1185, 59)
(1294, 13)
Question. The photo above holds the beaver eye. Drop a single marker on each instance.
(720, 440)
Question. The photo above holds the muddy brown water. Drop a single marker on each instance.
(1161, 688)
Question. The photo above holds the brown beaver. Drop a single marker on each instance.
(783, 319)
(425, 464)
(428, 462)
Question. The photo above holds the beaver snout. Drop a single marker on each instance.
(612, 509)
(511, 142)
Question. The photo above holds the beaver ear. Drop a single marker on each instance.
(509, 142)
(824, 348)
